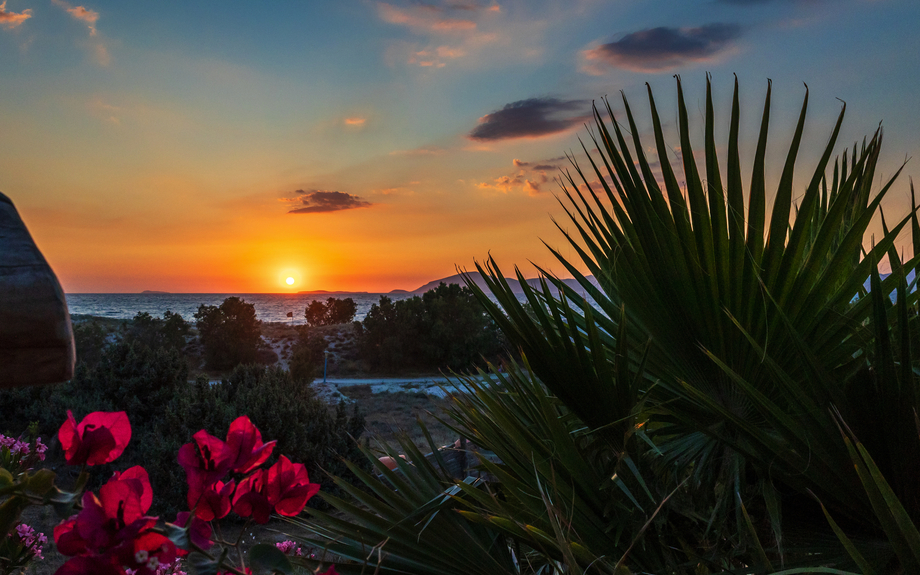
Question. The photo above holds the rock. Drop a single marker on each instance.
(36, 338)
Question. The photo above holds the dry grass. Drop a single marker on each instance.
(387, 415)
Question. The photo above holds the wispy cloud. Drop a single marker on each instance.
(428, 17)
(81, 13)
(530, 177)
(423, 151)
(662, 48)
(530, 118)
(453, 30)
(355, 121)
(10, 19)
(321, 201)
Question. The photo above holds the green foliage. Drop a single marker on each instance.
(769, 424)
(445, 328)
(307, 356)
(155, 332)
(90, 339)
(288, 411)
(229, 333)
(333, 312)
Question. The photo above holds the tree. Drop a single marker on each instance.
(315, 313)
(333, 312)
(341, 310)
(155, 332)
(230, 333)
(445, 328)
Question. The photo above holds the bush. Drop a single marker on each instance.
(230, 333)
(89, 339)
(155, 332)
(333, 312)
(445, 328)
(307, 356)
(284, 409)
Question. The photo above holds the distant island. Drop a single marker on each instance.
(153, 291)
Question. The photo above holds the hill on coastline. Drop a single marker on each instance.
(479, 281)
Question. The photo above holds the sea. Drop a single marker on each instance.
(270, 307)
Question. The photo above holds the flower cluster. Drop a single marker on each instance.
(17, 455)
(174, 568)
(113, 533)
(31, 541)
(283, 488)
(289, 548)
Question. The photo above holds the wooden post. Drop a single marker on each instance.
(36, 338)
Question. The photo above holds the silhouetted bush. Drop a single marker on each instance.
(90, 339)
(155, 332)
(333, 312)
(307, 356)
(230, 333)
(445, 328)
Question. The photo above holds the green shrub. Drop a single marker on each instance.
(307, 356)
(229, 333)
(445, 328)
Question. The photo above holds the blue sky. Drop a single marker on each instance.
(372, 145)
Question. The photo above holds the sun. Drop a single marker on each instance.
(289, 281)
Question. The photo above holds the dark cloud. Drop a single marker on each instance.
(662, 48)
(319, 201)
(531, 118)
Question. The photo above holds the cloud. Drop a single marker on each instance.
(659, 49)
(355, 121)
(320, 201)
(529, 177)
(426, 17)
(81, 13)
(423, 151)
(10, 19)
(530, 118)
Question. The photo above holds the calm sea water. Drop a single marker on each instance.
(269, 306)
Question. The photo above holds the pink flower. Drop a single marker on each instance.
(289, 487)
(214, 503)
(251, 499)
(205, 461)
(112, 531)
(100, 438)
(245, 441)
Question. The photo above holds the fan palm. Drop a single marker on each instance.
(746, 433)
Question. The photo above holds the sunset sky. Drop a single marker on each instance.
(368, 146)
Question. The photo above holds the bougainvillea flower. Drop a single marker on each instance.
(245, 440)
(205, 461)
(97, 565)
(214, 503)
(112, 532)
(251, 498)
(67, 539)
(136, 477)
(145, 553)
(330, 571)
(199, 533)
(100, 438)
(289, 487)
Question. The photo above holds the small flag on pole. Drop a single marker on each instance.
(290, 314)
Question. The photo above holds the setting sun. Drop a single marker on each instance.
(289, 281)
